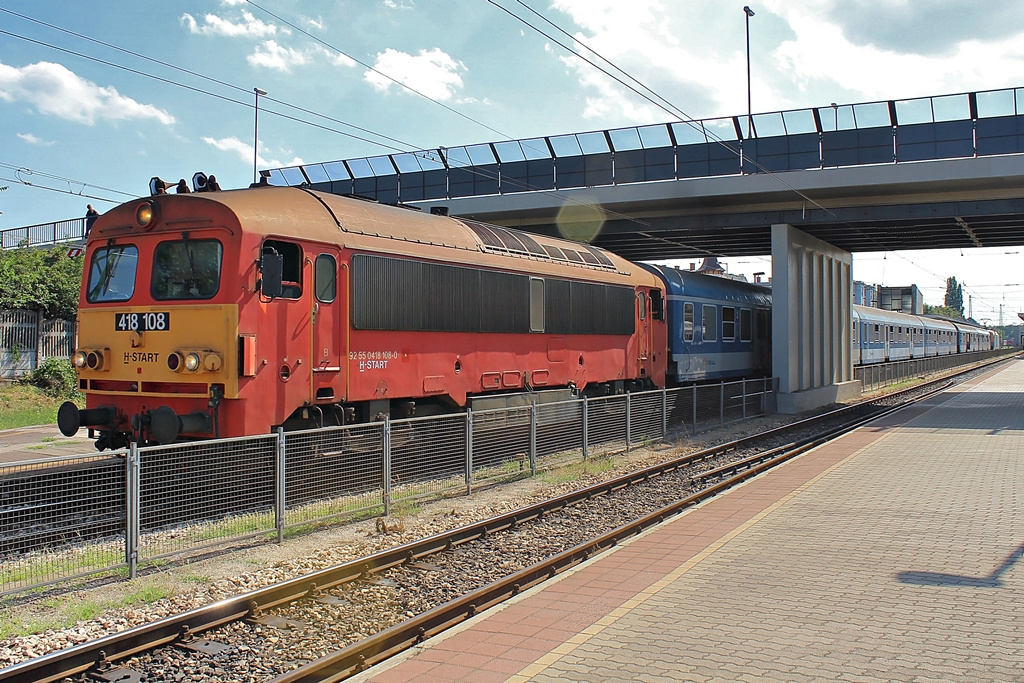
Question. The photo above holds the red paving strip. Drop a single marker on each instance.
(507, 640)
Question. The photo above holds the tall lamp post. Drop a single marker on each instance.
(749, 13)
(256, 132)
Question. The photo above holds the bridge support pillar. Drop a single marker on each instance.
(811, 321)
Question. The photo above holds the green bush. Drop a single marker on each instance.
(56, 377)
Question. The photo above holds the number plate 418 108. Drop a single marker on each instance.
(142, 322)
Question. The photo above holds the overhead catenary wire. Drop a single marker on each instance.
(398, 146)
(670, 109)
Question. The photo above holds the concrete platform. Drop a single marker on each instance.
(890, 554)
(40, 442)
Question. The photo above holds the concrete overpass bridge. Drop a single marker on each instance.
(808, 186)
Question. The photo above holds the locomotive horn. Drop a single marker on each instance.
(70, 419)
(166, 425)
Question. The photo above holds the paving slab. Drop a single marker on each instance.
(893, 553)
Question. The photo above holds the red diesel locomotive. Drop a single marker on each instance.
(231, 313)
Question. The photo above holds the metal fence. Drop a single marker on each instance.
(67, 518)
(883, 374)
(26, 339)
(70, 230)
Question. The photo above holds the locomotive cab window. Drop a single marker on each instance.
(641, 305)
(112, 274)
(186, 269)
(291, 266)
(326, 278)
(709, 323)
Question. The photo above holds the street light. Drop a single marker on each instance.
(749, 13)
(256, 132)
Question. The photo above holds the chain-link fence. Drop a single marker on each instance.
(65, 518)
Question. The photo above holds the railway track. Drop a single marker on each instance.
(383, 603)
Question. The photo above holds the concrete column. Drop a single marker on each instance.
(811, 321)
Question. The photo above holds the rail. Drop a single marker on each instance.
(181, 627)
(123, 512)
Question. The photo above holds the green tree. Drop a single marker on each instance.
(955, 296)
(944, 311)
(40, 279)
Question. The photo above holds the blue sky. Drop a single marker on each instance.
(84, 118)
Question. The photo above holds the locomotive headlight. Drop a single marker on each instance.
(175, 361)
(192, 361)
(94, 359)
(79, 359)
(144, 215)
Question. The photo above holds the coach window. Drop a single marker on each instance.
(728, 323)
(688, 322)
(326, 278)
(710, 323)
(536, 304)
(291, 266)
(112, 274)
(186, 269)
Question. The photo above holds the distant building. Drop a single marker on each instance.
(903, 299)
(864, 294)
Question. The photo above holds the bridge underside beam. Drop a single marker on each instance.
(811, 321)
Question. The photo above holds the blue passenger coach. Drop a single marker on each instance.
(718, 328)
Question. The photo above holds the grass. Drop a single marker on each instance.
(66, 611)
(574, 471)
(22, 405)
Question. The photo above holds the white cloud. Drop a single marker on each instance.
(431, 72)
(274, 56)
(56, 91)
(400, 4)
(249, 26)
(33, 140)
(335, 58)
(317, 23)
(697, 59)
(243, 150)
(820, 52)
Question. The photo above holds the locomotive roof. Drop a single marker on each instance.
(364, 225)
(698, 286)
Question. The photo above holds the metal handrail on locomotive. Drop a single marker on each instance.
(232, 313)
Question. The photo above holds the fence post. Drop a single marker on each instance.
(279, 485)
(664, 412)
(132, 521)
(629, 419)
(39, 338)
(386, 443)
(744, 398)
(721, 403)
(694, 430)
(585, 427)
(469, 451)
(533, 439)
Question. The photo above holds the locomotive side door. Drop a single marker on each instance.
(328, 303)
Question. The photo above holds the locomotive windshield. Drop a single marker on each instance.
(186, 269)
(112, 274)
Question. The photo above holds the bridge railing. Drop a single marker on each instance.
(44, 234)
(963, 125)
